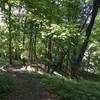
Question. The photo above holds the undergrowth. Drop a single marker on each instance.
(5, 63)
(70, 89)
(6, 85)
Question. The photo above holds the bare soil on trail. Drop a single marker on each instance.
(27, 88)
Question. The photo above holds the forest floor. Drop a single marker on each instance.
(26, 87)
(42, 86)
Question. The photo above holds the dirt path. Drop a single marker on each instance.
(27, 88)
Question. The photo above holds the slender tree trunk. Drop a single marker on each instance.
(23, 59)
(10, 36)
(23, 42)
(49, 52)
(35, 40)
(49, 49)
(30, 48)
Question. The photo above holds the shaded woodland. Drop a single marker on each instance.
(54, 36)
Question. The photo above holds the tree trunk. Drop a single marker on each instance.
(23, 42)
(35, 40)
(30, 48)
(88, 32)
(10, 36)
(23, 59)
(49, 52)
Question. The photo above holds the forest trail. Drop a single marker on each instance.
(26, 87)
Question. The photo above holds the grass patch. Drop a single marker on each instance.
(69, 89)
(6, 85)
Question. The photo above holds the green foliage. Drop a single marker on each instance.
(70, 89)
(58, 21)
(44, 8)
(5, 63)
(49, 32)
